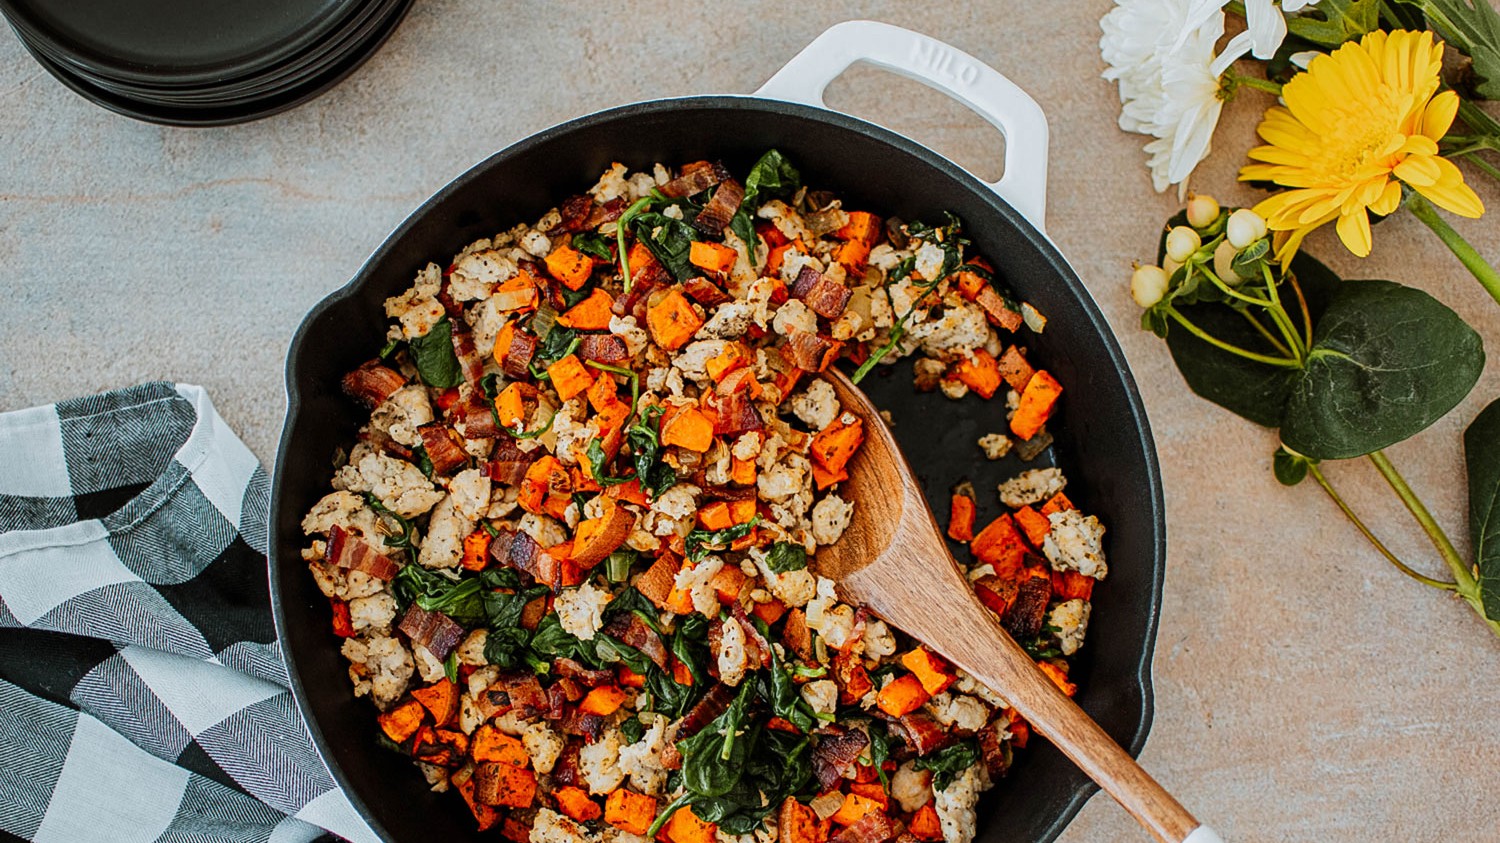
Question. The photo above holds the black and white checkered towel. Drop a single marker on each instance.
(142, 692)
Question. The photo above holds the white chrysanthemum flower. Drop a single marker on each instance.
(1265, 28)
(1161, 52)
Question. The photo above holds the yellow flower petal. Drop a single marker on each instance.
(1439, 114)
(1354, 230)
(1389, 201)
(1419, 170)
(1450, 193)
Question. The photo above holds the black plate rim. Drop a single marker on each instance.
(1142, 669)
(70, 53)
(283, 100)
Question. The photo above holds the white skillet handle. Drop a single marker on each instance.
(1203, 834)
(950, 70)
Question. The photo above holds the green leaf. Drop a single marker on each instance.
(593, 244)
(772, 176)
(1482, 456)
(1472, 26)
(1386, 362)
(433, 354)
(1289, 468)
(786, 557)
(1252, 390)
(670, 240)
(1332, 22)
(699, 542)
(949, 762)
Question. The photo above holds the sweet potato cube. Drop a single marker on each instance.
(769, 611)
(672, 321)
(569, 377)
(1071, 585)
(741, 471)
(483, 814)
(476, 551)
(657, 582)
(715, 516)
(516, 293)
(930, 669)
(823, 478)
(510, 404)
(603, 701)
(440, 698)
(862, 225)
(902, 696)
(629, 811)
(711, 257)
(854, 809)
(978, 372)
(575, 803)
(1037, 402)
(1034, 524)
(402, 721)
(961, 521)
(1000, 544)
(734, 356)
(491, 744)
(798, 823)
(727, 584)
(836, 443)
(591, 314)
(504, 785)
(570, 266)
(1057, 503)
(604, 393)
(685, 827)
(687, 427)
(1058, 674)
(925, 824)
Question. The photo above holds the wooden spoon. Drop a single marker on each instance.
(894, 559)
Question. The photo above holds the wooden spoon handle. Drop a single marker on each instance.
(979, 646)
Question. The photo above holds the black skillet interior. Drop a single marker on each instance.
(1102, 439)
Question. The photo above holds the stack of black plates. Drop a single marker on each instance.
(202, 62)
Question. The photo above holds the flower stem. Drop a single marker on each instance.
(1302, 303)
(1261, 329)
(1283, 362)
(1237, 81)
(1461, 575)
(1468, 255)
(1379, 545)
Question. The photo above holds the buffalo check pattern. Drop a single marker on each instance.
(142, 692)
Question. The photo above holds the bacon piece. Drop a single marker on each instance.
(874, 827)
(565, 772)
(836, 752)
(608, 212)
(518, 357)
(809, 352)
(642, 282)
(518, 689)
(924, 733)
(716, 215)
(469, 360)
(442, 448)
(630, 629)
(796, 636)
(474, 419)
(825, 296)
(509, 463)
(995, 309)
(850, 675)
(722, 493)
(433, 630)
(571, 690)
(603, 348)
(994, 750)
(1024, 618)
(575, 211)
(757, 648)
(696, 178)
(705, 292)
(500, 544)
(588, 726)
(372, 383)
(714, 703)
(570, 669)
(524, 552)
(349, 551)
(736, 412)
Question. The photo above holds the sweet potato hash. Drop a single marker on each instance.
(573, 554)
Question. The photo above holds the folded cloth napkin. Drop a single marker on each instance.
(142, 691)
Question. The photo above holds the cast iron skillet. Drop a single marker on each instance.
(1102, 439)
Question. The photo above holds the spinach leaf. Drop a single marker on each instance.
(1332, 22)
(552, 641)
(1482, 456)
(423, 462)
(699, 542)
(632, 600)
(1386, 362)
(390, 349)
(463, 601)
(880, 750)
(597, 462)
(670, 240)
(713, 760)
(450, 666)
(772, 176)
(786, 557)
(560, 342)
(593, 244)
(744, 228)
(631, 730)
(784, 697)
(644, 440)
(610, 650)
(407, 539)
(436, 362)
(949, 762)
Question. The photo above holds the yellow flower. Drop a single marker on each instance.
(1355, 123)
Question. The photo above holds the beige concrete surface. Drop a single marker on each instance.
(1305, 690)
